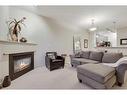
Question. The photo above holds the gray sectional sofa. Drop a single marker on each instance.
(91, 71)
(95, 57)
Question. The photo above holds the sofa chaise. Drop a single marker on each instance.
(92, 71)
(96, 75)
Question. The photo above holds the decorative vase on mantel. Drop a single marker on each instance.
(14, 37)
(14, 28)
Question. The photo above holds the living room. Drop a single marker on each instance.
(41, 30)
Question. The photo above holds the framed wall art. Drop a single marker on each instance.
(85, 43)
(123, 41)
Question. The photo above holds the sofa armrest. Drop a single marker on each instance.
(59, 57)
(47, 60)
(72, 56)
(120, 72)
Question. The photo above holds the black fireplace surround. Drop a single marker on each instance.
(20, 63)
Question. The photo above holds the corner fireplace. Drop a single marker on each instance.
(20, 63)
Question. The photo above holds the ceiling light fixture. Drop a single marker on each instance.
(108, 30)
(92, 28)
(115, 28)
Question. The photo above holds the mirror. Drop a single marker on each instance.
(111, 39)
(106, 39)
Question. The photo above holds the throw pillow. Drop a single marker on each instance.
(122, 60)
(111, 57)
(77, 55)
(85, 54)
(52, 56)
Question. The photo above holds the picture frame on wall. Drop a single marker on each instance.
(123, 41)
(85, 43)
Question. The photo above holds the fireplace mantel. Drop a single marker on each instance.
(6, 48)
(11, 42)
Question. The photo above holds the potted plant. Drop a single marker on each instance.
(14, 28)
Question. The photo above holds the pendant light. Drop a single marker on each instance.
(93, 27)
(115, 28)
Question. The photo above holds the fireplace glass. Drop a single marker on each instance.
(21, 64)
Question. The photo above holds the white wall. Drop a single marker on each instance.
(112, 37)
(121, 34)
(50, 35)
(92, 40)
(4, 13)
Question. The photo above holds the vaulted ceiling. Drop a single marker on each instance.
(81, 16)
